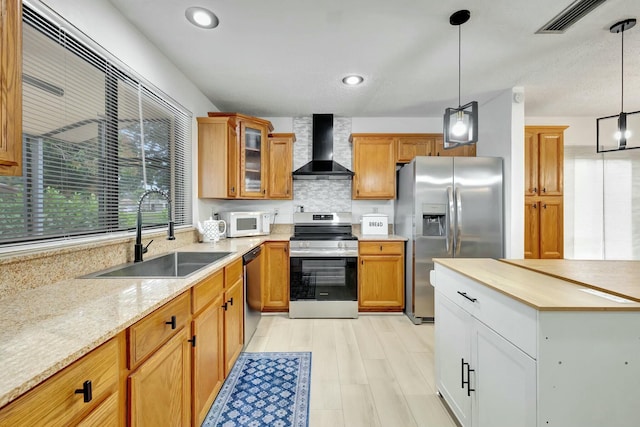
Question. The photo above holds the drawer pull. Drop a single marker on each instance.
(85, 391)
(172, 322)
(464, 294)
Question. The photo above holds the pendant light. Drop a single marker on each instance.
(615, 132)
(460, 124)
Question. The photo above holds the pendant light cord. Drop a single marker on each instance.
(622, 72)
(459, 60)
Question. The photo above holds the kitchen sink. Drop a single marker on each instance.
(176, 264)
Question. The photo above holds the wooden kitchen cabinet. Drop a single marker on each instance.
(233, 306)
(409, 146)
(11, 87)
(380, 276)
(160, 389)
(544, 223)
(59, 401)
(544, 160)
(280, 185)
(207, 344)
(374, 166)
(248, 155)
(275, 282)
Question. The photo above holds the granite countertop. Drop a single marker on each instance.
(47, 328)
(540, 291)
(382, 237)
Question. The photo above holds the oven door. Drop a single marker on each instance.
(324, 278)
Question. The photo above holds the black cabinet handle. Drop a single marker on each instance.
(535, 189)
(464, 294)
(172, 322)
(192, 341)
(230, 301)
(469, 389)
(544, 190)
(85, 391)
(224, 306)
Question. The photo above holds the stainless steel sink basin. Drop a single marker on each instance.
(177, 264)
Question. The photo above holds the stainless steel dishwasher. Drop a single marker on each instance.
(253, 298)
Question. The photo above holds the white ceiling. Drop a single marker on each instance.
(287, 57)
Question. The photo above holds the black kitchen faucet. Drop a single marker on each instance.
(138, 248)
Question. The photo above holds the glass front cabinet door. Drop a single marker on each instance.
(253, 159)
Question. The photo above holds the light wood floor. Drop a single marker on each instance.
(377, 370)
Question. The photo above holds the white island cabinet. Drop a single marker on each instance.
(519, 348)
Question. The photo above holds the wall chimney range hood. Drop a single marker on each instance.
(322, 165)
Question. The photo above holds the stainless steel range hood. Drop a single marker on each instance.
(322, 165)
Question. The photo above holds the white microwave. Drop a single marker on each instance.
(242, 224)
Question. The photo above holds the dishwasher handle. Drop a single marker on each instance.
(251, 255)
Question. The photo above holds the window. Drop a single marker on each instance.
(95, 137)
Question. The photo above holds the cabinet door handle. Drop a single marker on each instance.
(535, 189)
(172, 322)
(85, 391)
(534, 206)
(230, 301)
(544, 206)
(544, 189)
(224, 306)
(464, 294)
(469, 389)
(192, 341)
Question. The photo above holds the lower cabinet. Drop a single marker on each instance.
(160, 389)
(485, 379)
(275, 280)
(544, 227)
(207, 344)
(380, 276)
(233, 306)
(84, 393)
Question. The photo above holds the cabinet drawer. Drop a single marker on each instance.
(233, 272)
(381, 248)
(206, 291)
(105, 415)
(152, 331)
(515, 321)
(55, 403)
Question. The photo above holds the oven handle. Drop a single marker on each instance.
(322, 254)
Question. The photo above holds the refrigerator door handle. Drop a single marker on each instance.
(450, 240)
(458, 238)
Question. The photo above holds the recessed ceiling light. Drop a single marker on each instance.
(353, 80)
(201, 17)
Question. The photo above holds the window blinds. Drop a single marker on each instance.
(95, 137)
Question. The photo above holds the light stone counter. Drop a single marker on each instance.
(45, 329)
(390, 237)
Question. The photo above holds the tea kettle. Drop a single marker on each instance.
(213, 230)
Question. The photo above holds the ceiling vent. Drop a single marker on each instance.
(562, 21)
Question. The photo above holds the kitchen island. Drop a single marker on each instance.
(518, 347)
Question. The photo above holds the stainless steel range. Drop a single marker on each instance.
(324, 266)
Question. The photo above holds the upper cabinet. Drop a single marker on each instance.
(468, 150)
(415, 144)
(10, 87)
(544, 159)
(280, 185)
(232, 156)
(374, 166)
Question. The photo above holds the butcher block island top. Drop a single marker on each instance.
(621, 278)
(546, 292)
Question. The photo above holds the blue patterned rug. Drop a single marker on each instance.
(264, 389)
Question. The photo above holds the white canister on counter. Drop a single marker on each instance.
(375, 224)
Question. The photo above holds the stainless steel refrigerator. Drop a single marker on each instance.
(446, 207)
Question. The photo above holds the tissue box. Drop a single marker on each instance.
(375, 224)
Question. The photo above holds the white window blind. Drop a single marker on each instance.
(95, 138)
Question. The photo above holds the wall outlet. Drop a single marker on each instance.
(276, 211)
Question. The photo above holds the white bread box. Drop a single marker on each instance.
(375, 224)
